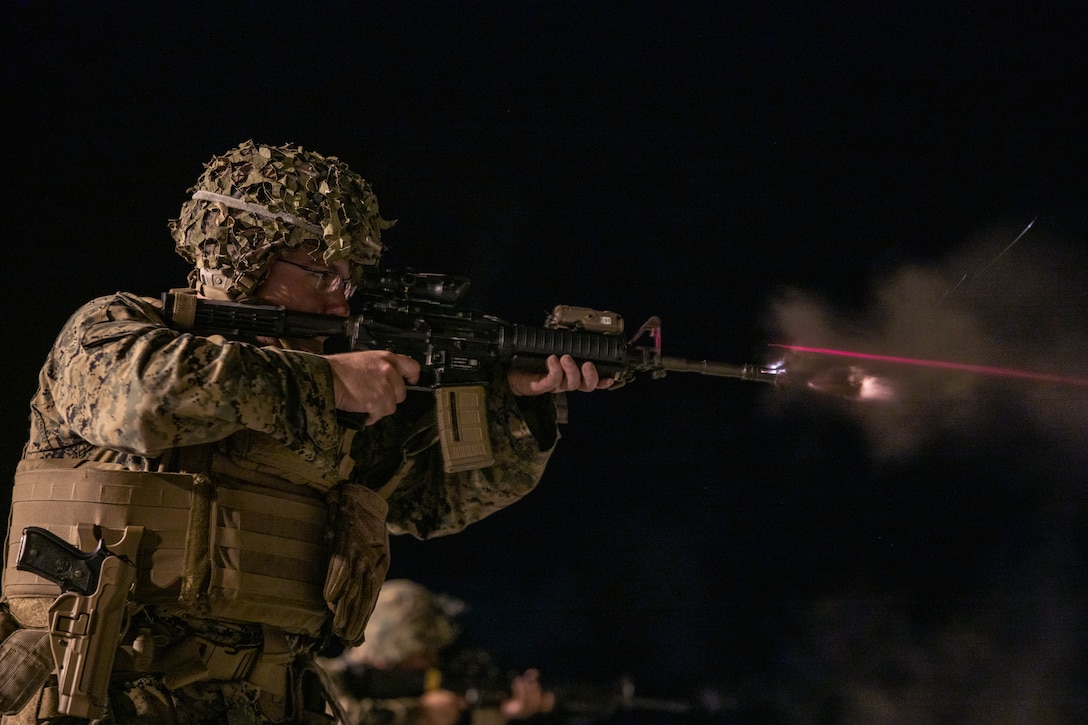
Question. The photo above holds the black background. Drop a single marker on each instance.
(689, 160)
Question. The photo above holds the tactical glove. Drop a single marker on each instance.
(359, 560)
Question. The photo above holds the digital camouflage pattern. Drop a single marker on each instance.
(91, 406)
(146, 699)
(121, 390)
(286, 197)
(430, 502)
(120, 387)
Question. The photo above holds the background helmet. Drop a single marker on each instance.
(408, 620)
(255, 201)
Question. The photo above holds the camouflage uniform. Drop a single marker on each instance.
(121, 391)
(91, 405)
(411, 628)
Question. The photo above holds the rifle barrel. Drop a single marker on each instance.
(744, 371)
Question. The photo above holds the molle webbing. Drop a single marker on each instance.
(255, 555)
(60, 499)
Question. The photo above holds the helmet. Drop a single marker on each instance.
(408, 620)
(254, 201)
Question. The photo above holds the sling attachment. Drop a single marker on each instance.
(183, 311)
(421, 439)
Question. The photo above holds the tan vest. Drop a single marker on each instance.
(228, 549)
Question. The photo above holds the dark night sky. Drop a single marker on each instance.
(696, 161)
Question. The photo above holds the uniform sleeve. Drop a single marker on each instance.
(429, 502)
(119, 378)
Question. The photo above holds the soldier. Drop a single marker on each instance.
(402, 671)
(252, 514)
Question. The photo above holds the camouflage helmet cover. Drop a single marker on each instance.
(255, 200)
(408, 620)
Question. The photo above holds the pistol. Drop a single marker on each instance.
(85, 620)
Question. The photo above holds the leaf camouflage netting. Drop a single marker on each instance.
(255, 200)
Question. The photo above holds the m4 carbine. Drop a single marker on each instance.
(418, 315)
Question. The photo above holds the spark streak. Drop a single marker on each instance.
(945, 365)
(992, 261)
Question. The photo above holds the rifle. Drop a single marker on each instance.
(85, 620)
(579, 702)
(418, 315)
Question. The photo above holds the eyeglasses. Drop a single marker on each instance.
(326, 280)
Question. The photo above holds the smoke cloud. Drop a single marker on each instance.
(993, 631)
(1026, 309)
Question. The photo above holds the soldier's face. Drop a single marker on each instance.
(294, 281)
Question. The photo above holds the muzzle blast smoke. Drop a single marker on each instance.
(990, 370)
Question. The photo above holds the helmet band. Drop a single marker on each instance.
(257, 210)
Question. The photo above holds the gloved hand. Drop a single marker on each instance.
(359, 560)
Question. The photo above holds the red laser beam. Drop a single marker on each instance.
(944, 365)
